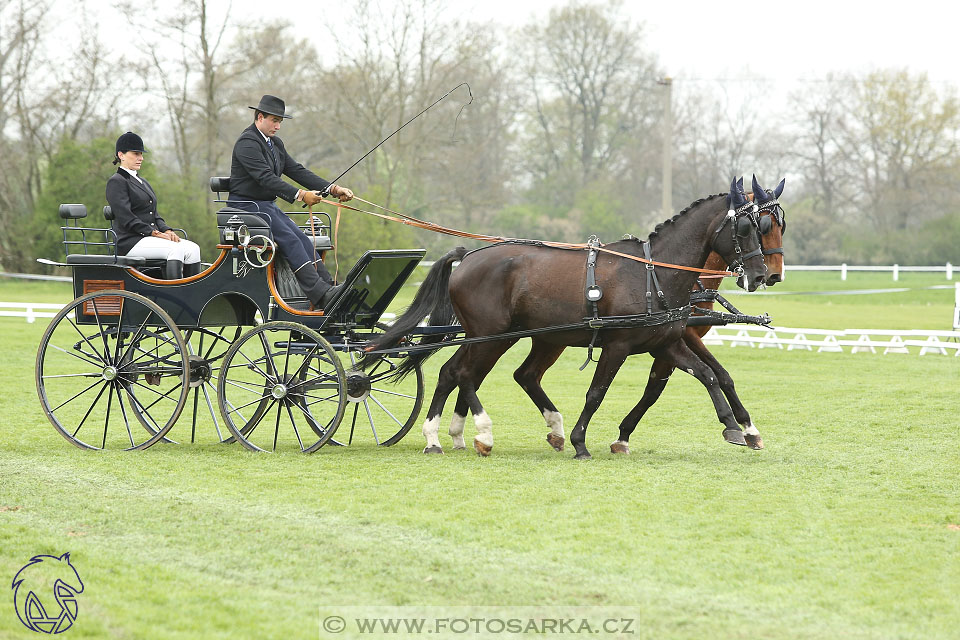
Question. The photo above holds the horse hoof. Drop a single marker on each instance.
(555, 441)
(482, 449)
(734, 436)
(754, 441)
(433, 449)
(459, 447)
(583, 456)
(620, 447)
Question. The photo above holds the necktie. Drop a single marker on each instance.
(276, 158)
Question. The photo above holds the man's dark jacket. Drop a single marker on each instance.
(255, 171)
(134, 207)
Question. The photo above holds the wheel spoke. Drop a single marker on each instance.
(294, 423)
(124, 412)
(87, 414)
(103, 361)
(95, 383)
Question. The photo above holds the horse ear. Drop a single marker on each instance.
(740, 185)
(736, 195)
(779, 189)
(758, 191)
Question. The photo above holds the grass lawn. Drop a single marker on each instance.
(846, 526)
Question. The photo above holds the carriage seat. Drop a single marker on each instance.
(258, 225)
(153, 267)
(77, 211)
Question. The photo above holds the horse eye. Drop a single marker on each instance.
(766, 223)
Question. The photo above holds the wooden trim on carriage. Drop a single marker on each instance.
(139, 275)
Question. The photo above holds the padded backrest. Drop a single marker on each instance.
(108, 212)
(73, 211)
(220, 184)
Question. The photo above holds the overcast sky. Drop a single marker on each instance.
(791, 40)
(795, 39)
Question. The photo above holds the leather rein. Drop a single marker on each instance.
(396, 216)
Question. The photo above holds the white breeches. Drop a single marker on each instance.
(152, 248)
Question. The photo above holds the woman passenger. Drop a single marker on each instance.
(141, 232)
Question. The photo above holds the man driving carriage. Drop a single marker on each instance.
(259, 159)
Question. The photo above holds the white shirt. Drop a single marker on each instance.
(134, 174)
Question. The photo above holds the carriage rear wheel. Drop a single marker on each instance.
(379, 404)
(112, 371)
(282, 386)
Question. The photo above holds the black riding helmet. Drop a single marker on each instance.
(128, 142)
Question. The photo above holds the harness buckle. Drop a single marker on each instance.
(595, 323)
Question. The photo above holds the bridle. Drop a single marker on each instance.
(776, 214)
(742, 221)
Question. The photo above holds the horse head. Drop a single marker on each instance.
(772, 227)
(737, 238)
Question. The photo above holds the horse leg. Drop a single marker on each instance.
(611, 359)
(740, 414)
(529, 375)
(688, 361)
(446, 383)
(458, 421)
(478, 374)
(660, 372)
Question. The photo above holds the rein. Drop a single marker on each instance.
(432, 226)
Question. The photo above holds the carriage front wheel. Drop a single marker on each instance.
(112, 371)
(282, 386)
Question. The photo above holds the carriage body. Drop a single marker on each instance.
(132, 347)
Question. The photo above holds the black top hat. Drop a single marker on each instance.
(130, 142)
(272, 105)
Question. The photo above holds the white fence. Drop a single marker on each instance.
(895, 269)
(920, 341)
(29, 310)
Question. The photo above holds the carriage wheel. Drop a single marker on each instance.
(206, 347)
(110, 371)
(385, 407)
(282, 386)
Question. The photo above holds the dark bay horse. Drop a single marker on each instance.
(772, 225)
(543, 354)
(520, 286)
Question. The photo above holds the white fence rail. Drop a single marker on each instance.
(29, 310)
(895, 269)
(920, 341)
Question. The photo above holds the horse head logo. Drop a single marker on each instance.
(45, 593)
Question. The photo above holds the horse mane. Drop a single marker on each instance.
(692, 205)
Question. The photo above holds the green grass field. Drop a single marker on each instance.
(846, 526)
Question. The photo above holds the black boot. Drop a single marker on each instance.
(330, 295)
(173, 270)
(192, 269)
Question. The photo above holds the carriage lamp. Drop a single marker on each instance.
(235, 232)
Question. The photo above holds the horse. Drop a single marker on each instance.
(525, 286)
(543, 354)
(772, 226)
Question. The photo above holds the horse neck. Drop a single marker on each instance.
(686, 241)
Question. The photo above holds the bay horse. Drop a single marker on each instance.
(515, 286)
(543, 354)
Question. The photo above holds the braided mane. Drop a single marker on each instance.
(693, 204)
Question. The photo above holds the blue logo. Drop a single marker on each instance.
(45, 594)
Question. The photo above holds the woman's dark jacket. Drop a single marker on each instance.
(134, 207)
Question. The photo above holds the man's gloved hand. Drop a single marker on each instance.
(310, 197)
(342, 193)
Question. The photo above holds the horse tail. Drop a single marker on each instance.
(433, 299)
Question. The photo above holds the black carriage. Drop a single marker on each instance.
(118, 365)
